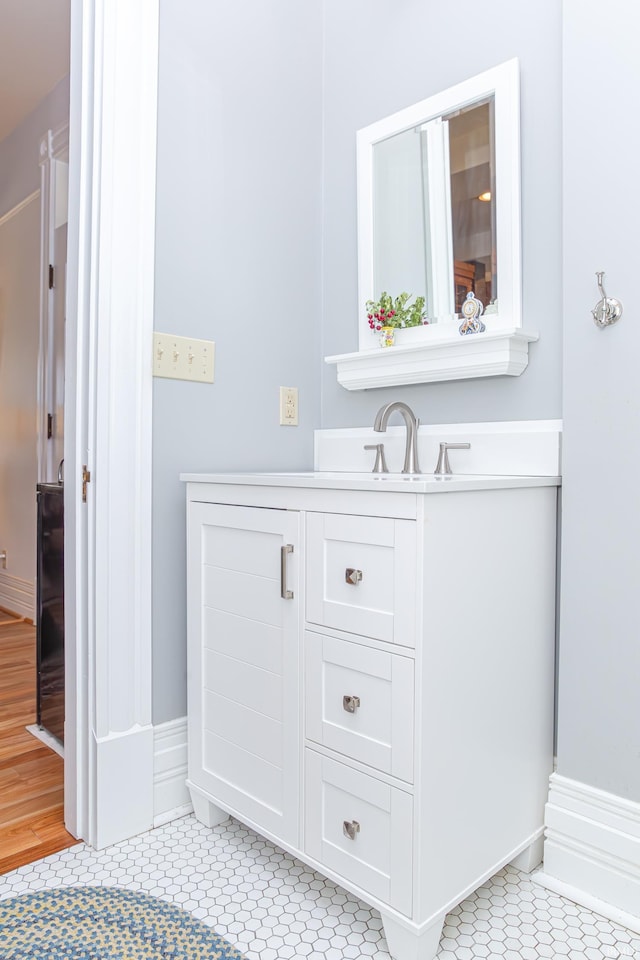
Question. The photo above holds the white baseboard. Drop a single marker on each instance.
(619, 917)
(123, 759)
(171, 798)
(174, 814)
(592, 847)
(47, 738)
(18, 595)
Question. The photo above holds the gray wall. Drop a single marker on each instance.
(380, 56)
(259, 104)
(19, 156)
(237, 261)
(599, 678)
(19, 342)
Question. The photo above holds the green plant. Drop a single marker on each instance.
(398, 312)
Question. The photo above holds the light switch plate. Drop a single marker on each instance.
(183, 358)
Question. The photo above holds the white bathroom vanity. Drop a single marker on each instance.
(371, 664)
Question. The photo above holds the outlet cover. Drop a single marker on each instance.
(183, 358)
(288, 406)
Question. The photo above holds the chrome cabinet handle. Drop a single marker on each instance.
(284, 551)
(350, 704)
(353, 576)
(350, 828)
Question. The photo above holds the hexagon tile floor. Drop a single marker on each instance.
(272, 907)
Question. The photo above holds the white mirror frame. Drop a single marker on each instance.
(440, 352)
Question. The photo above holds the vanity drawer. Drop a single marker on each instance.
(360, 828)
(359, 702)
(361, 575)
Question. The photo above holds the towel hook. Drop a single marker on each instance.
(608, 309)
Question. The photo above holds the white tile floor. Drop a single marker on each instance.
(273, 907)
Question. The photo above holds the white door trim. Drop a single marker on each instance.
(54, 146)
(108, 732)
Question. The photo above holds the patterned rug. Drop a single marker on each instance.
(104, 923)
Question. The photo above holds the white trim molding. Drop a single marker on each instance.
(123, 326)
(109, 738)
(494, 353)
(18, 595)
(54, 144)
(171, 797)
(47, 738)
(54, 147)
(592, 849)
(19, 206)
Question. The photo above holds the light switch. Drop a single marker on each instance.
(183, 358)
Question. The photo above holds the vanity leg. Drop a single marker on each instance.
(406, 944)
(207, 812)
(530, 857)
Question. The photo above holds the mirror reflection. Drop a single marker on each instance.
(434, 202)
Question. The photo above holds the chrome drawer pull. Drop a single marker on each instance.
(353, 576)
(350, 828)
(284, 593)
(350, 704)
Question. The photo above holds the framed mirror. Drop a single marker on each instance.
(433, 213)
(439, 218)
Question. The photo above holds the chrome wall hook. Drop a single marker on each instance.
(608, 309)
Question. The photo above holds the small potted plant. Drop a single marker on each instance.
(387, 315)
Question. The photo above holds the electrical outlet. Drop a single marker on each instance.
(183, 358)
(288, 406)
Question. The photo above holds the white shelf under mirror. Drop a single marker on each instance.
(423, 256)
(494, 353)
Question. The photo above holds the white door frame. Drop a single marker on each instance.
(54, 149)
(110, 281)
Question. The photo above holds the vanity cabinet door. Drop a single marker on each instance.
(243, 587)
(361, 575)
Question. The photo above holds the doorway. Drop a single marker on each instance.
(34, 76)
(109, 739)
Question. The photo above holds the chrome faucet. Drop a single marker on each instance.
(411, 423)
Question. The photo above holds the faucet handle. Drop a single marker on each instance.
(443, 466)
(380, 466)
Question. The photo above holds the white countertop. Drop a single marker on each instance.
(387, 482)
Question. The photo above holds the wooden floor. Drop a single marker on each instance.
(31, 774)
